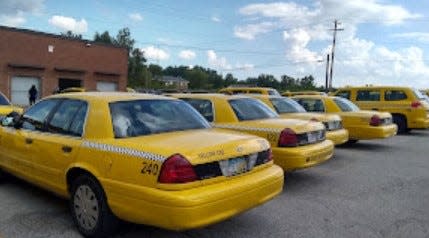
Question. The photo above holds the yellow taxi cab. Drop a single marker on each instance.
(408, 106)
(6, 107)
(138, 157)
(297, 93)
(288, 108)
(131, 90)
(362, 125)
(73, 90)
(249, 90)
(296, 144)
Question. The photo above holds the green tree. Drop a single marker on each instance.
(229, 80)
(124, 39)
(71, 35)
(104, 38)
(198, 79)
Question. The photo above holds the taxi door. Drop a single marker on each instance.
(56, 148)
(14, 148)
(17, 144)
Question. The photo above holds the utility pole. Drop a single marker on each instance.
(336, 23)
(327, 74)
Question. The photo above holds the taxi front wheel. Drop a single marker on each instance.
(89, 208)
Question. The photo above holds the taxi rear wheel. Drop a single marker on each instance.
(2, 175)
(90, 211)
(401, 122)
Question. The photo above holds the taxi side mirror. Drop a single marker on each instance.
(12, 119)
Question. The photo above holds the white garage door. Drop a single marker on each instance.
(107, 86)
(20, 87)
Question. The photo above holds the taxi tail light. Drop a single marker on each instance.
(416, 104)
(177, 169)
(375, 121)
(288, 138)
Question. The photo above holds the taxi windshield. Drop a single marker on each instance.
(286, 105)
(145, 117)
(251, 109)
(345, 105)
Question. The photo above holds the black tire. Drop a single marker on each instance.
(401, 122)
(351, 142)
(2, 175)
(90, 211)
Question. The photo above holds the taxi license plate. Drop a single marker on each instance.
(233, 167)
(312, 137)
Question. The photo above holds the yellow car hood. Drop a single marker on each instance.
(4, 110)
(278, 124)
(197, 146)
(309, 116)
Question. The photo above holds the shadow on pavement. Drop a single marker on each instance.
(416, 133)
(362, 145)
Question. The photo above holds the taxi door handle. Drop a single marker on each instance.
(374, 109)
(28, 141)
(66, 149)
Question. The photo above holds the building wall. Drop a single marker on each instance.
(74, 59)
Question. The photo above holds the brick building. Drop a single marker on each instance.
(53, 62)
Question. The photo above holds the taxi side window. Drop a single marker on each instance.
(368, 95)
(343, 94)
(35, 118)
(69, 118)
(204, 107)
(395, 95)
(311, 105)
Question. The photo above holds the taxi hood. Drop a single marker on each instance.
(197, 146)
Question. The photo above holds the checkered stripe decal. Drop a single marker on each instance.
(247, 128)
(124, 151)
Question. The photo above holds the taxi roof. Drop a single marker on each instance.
(248, 88)
(313, 96)
(108, 96)
(375, 87)
(209, 95)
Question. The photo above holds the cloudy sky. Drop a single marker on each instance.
(383, 41)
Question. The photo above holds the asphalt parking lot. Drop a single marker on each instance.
(371, 189)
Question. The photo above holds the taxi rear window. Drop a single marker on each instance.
(286, 105)
(146, 117)
(251, 109)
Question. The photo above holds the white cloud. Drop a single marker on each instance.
(153, 53)
(13, 21)
(357, 61)
(12, 12)
(187, 54)
(297, 41)
(69, 24)
(248, 32)
(135, 17)
(420, 36)
(245, 67)
(292, 15)
(217, 62)
(215, 19)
